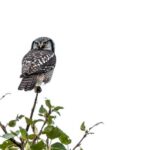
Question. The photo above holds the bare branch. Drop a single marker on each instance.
(87, 132)
(32, 110)
(95, 125)
(4, 96)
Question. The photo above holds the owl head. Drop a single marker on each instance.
(43, 43)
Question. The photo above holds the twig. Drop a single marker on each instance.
(5, 131)
(87, 132)
(95, 125)
(40, 132)
(11, 139)
(47, 143)
(32, 110)
(4, 95)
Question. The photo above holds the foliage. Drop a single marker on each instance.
(44, 134)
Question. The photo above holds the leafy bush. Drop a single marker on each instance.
(44, 134)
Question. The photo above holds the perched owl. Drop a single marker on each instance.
(38, 64)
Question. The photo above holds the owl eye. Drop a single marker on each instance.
(45, 43)
(36, 43)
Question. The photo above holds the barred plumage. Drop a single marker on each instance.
(38, 64)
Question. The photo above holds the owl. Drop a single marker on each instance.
(38, 64)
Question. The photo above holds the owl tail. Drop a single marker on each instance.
(27, 83)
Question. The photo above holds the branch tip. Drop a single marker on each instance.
(4, 96)
(87, 132)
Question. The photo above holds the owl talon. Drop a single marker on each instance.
(38, 89)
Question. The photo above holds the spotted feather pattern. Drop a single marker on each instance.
(38, 61)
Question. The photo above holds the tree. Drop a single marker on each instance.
(41, 133)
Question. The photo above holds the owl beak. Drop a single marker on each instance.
(40, 45)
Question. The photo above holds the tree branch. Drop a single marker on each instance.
(87, 132)
(5, 131)
(32, 110)
(40, 132)
(11, 139)
(4, 95)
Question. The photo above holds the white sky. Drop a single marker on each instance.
(102, 71)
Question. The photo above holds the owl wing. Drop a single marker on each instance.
(37, 62)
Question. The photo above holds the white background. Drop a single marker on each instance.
(102, 71)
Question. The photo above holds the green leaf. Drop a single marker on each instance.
(23, 133)
(49, 120)
(38, 146)
(8, 136)
(6, 144)
(42, 110)
(19, 117)
(52, 132)
(58, 146)
(64, 138)
(82, 127)
(55, 132)
(27, 146)
(57, 108)
(28, 121)
(16, 133)
(58, 112)
(31, 136)
(38, 120)
(41, 115)
(48, 103)
(12, 123)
